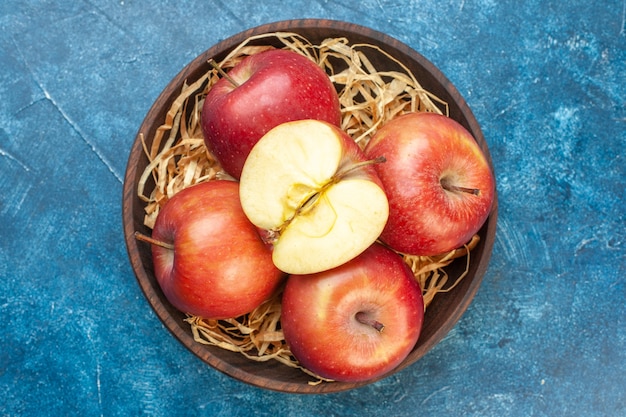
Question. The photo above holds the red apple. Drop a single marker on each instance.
(438, 181)
(271, 87)
(208, 258)
(309, 183)
(356, 322)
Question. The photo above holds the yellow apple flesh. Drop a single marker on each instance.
(310, 185)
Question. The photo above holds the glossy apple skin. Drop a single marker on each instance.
(220, 267)
(275, 87)
(319, 316)
(422, 149)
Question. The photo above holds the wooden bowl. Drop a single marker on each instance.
(442, 313)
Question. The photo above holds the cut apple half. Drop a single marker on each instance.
(310, 186)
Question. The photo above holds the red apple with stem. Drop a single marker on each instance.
(438, 181)
(208, 258)
(259, 93)
(356, 322)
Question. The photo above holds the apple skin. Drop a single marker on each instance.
(275, 86)
(427, 153)
(319, 316)
(219, 267)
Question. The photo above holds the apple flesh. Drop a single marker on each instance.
(438, 181)
(356, 322)
(208, 258)
(309, 184)
(270, 88)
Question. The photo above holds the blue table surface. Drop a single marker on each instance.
(544, 336)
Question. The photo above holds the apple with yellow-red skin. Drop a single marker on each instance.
(355, 322)
(438, 181)
(259, 93)
(209, 260)
(309, 185)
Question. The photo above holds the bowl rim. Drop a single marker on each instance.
(129, 197)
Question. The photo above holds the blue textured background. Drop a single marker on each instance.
(545, 335)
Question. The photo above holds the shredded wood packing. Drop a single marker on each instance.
(178, 159)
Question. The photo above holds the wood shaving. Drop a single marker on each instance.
(178, 159)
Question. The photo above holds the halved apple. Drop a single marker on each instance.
(311, 187)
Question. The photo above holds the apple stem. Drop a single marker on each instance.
(152, 241)
(363, 318)
(455, 188)
(311, 200)
(346, 171)
(223, 73)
